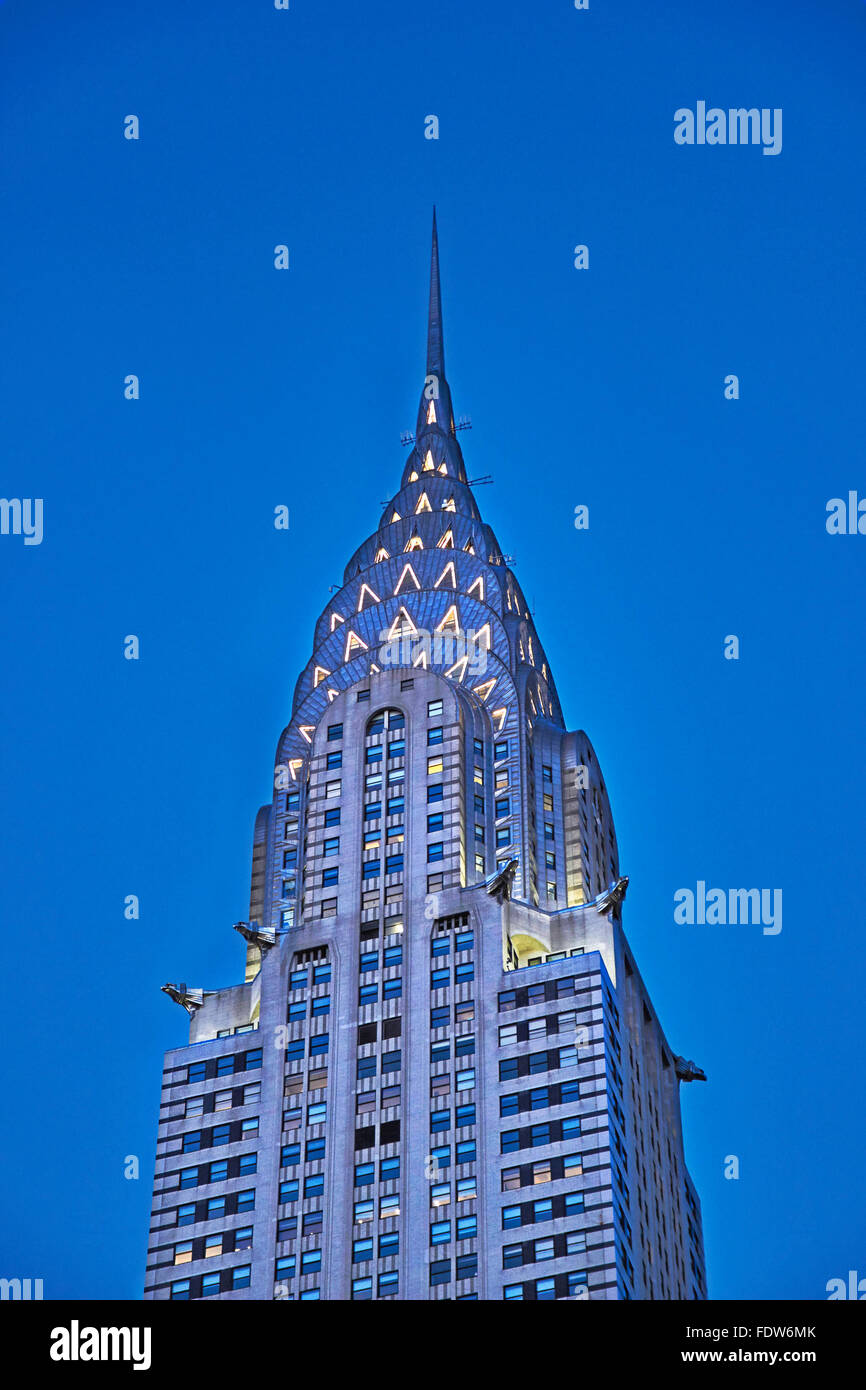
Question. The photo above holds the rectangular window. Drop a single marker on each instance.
(373, 810)
(333, 789)
(434, 792)
(500, 750)
(434, 708)
(331, 846)
(334, 760)
(434, 765)
(440, 1233)
(435, 851)
(330, 877)
(434, 823)
(335, 732)
(434, 736)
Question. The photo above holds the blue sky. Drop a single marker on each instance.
(602, 387)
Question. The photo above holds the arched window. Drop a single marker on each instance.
(386, 719)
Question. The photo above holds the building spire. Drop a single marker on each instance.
(436, 448)
(435, 343)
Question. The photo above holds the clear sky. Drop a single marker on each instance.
(601, 387)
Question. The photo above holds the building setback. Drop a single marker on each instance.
(442, 1076)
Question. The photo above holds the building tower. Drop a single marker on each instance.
(443, 1076)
